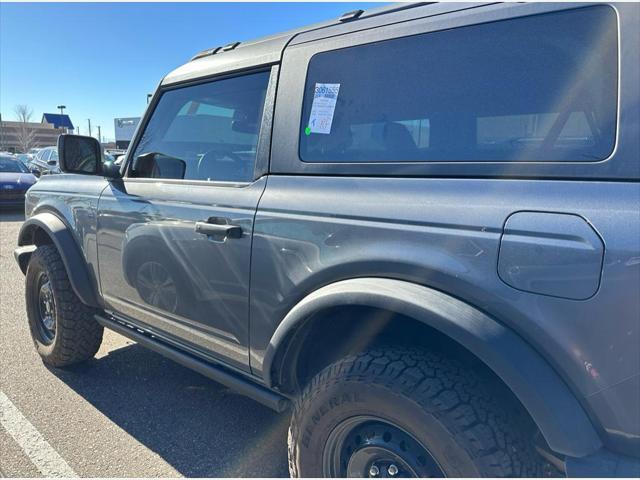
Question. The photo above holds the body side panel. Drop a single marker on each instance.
(445, 234)
(439, 224)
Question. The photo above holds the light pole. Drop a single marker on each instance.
(61, 108)
(99, 136)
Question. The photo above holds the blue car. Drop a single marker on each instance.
(15, 180)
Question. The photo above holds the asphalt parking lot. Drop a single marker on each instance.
(127, 413)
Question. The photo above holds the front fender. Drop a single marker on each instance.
(559, 415)
(82, 282)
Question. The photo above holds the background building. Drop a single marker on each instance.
(19, 137)
(58, 121)
(14, 134)
(124, 130)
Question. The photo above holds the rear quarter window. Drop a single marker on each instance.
(538, 88)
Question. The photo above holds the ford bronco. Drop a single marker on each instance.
(415, 228)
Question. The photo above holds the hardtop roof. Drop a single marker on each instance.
(266, 50)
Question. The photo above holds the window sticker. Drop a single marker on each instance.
(325, 97)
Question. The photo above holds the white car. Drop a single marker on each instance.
(46, 161)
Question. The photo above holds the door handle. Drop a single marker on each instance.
(218, 227)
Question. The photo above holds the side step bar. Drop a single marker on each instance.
(217, 373)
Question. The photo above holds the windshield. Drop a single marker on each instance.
(9, 165)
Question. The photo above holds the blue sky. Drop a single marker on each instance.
(100, 60)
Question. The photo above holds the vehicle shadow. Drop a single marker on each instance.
(198, 426)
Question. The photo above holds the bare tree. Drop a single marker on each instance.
(26, 134)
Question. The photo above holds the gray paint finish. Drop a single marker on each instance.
(77, 209)
(445, 234)
(268, 50)
(151, 222)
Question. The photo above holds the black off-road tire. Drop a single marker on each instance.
(469, 425)
(77, 335)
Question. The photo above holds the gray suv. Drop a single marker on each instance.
(416, 227)
(45, 161)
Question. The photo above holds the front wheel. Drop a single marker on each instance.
(402, 412)
(63, 329)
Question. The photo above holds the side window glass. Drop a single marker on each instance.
(204, 132)
(45, 155)
(536, 88)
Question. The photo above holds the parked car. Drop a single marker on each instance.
(25, 159)
(46, 161)
(415, 226)
(15, 180)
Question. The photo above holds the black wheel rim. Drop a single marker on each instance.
(156, 286)
(46, 309)
(365, 446)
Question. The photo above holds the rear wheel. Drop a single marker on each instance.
(369, 446)
(63, 328)
(402, 412)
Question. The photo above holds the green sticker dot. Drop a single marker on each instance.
(307, 131)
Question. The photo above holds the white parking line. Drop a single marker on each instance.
(32, 443)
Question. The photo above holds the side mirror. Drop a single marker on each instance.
(111, 169)
(52, 162)
(158, 165)
(79, 154)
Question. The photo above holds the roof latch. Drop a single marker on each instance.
(346, 17)
(230, 46)
(205, 53)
